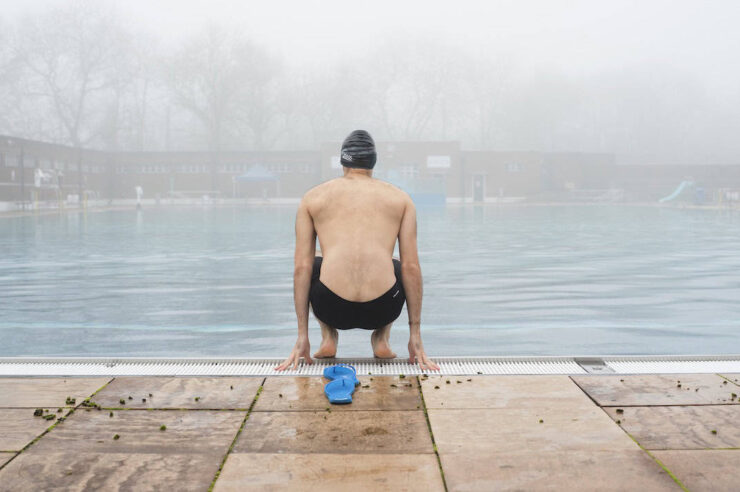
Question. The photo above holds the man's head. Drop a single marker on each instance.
(358, 151)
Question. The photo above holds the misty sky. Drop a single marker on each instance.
(576, 37)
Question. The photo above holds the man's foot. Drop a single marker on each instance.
(381, 347)
(326, 350)
(328, 347)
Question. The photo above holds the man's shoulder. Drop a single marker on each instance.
(390, 186)
(316, 190)
(322, 190)
(399, 195)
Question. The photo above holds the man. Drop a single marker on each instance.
(357, 283)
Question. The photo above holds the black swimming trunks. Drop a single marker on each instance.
(342, 314)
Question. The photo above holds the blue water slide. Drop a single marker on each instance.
(677, 191)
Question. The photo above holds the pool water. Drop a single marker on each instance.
(518, 280)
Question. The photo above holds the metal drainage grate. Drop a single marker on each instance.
(142, 366)
(675, 364)
(134, 366)
(593, 365)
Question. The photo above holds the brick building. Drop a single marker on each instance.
(432, 172)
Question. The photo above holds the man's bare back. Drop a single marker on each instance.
(357, 220)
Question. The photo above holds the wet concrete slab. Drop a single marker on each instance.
(656, 389)
(512, 430)
(676, 427)
(46, 392)
(179, 392)
(493, 440)
(5, 457)
(733, 377)
(18, 427)
(387, 393)
(574, 470)
(330, 472)
(706, 470)
(469, 392)
(109, 471)
(93, 431)
(363, 432)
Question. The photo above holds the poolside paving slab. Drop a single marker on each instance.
(573, 470)
(387, 393)
(81, 453)
(5, 457)
(46, 392)
(180, 392)
(470, 392)
(681, 427)
(359, 432)
(656, 389)
(330, 472)
(734, 377)
(109, 471)
(18, 427)
(511, 430)
(209, 432)
(706, 470)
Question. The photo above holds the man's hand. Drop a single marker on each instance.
(416, 352)
(302, 349)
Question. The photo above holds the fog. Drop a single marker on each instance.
(576, 166)
(651, 82)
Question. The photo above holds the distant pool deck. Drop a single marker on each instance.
(583, 431)
(13, 211)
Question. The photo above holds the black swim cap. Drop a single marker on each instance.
(358, 150)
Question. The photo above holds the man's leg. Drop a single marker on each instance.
(329, 339)
(380, 340)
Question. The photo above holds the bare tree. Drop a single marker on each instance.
(411, 86)
(331, 100)
(224, 80)
(68, 56)
(488, 83)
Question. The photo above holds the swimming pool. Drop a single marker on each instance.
(517, 280)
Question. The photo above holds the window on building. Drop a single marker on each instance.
(279, 167)
(513, 167)
(439, 162)
(409, 171)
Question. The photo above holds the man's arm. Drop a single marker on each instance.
(412, 284)
(305, 251)
(410, 267)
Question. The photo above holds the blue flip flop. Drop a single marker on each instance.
(339, 391)
(342, 371)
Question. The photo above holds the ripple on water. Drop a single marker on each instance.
(527, 280)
